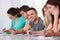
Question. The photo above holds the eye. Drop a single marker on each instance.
(50, 7)
(22, 13)
(31, 13)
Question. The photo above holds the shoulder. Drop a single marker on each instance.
(40, 20)
(12, 21)
(31, 23)
(21, 18)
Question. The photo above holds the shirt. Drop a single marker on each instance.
(20, 23)
(37, 27)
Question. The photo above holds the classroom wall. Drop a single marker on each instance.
(4, 20)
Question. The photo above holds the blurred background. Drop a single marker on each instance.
(6, 4)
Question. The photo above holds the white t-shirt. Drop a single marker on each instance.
(27, 22)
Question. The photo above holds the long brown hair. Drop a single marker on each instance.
(55, 3)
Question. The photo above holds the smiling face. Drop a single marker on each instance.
(51, 8)
(24, 14)
(32, 15)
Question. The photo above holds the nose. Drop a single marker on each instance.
(29, 16)
(49, 9)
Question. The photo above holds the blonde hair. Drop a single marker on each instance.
(47, 18)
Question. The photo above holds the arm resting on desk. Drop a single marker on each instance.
(23, 30)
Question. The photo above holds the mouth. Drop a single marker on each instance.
(31, 19)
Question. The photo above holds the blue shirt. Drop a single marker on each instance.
(20, 24)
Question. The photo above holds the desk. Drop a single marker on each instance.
(25, 37)
(48, 38)
(17, 37)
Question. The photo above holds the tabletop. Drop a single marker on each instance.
(25, 37)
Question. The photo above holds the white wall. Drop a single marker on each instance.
(19, 3)
(39, 5)
(5, 4)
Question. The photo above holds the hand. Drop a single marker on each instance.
(3, 30)
(50, 33)
(56, 11)
(13, 31)
(30, 32)
(27, 31)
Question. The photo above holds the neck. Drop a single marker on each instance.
(36, 21)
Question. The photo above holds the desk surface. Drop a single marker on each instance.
(25, 37)
(17, 37)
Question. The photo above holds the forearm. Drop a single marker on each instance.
(36, 32)
(20, 31)
(5, 30)
(55, 23)
(57, 34)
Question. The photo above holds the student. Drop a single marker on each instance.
(23, 11)
(54, 8)
(47, 21)
(47, 16)
(36, 22)
(17, 21)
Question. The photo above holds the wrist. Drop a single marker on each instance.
(44, 30)
(55, 17)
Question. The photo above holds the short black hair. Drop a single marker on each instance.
(24, 8)
(13, 11)
(32, 9)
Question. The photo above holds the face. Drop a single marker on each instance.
(32, 15)
(46, 12)
(51, 8)
(24, 14)
(11, 17)
(59, 20)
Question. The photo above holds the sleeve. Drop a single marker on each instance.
(11, 26)
(42, 25)
(27, 22)
(20, 24)
(30, 23)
